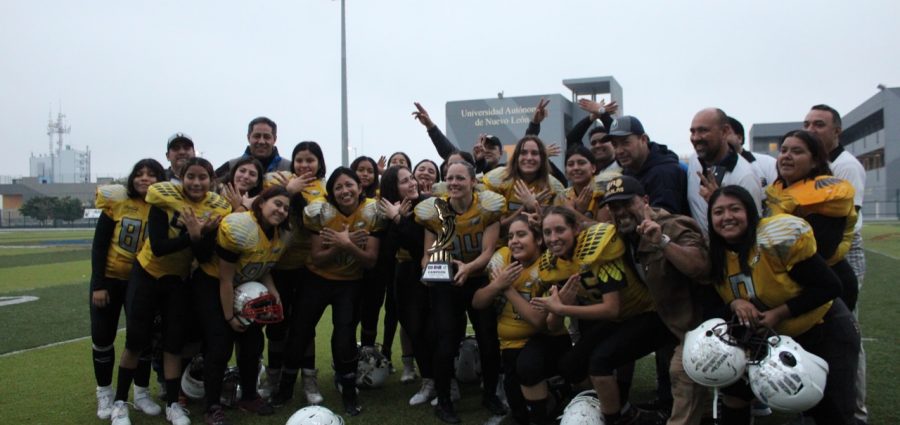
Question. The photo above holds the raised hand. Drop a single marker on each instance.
(422, 116)
(649, 229)
(382, 165)
(553, 150)
(505, 277)
(541, 111)
(569, 292)
(708, 184)
(297, 183)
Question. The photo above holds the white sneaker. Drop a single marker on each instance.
(119, 413)
(177, 415)
(311, 386)
(454, 393)
(104, 401)
(425, 393)
(144, 402)
(409, 371)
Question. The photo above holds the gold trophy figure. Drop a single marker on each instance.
(439, 268)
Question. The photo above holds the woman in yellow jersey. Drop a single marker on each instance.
(404, 238)
(529, 353)
(243, 183)
(182, 218)
(616, 321)
(770, 274)
(337, 259)
(805, 188)
(246, 248)
(525, 181)
(305, 183)
(117, 239)
(584, 193)
(478, 217)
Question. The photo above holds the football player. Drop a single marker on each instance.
(343, 243)
(477, 216)
(771, 275)
(117, 239)
(181, 216)
(248, 245)
(305, 182)
(591, 283)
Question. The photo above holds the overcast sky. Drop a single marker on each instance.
(129, 74)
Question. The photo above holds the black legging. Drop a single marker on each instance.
(414, 312)
(104, 326)
(449, 305)
(220, 339)
(315, 294)
(378, 279)
(287, 282)
(537, 361)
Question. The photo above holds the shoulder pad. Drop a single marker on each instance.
(546, 261)
(499, 260)
(215, 201)
(164, 194)
(605, 177)
(440, 189)
(426, 211)
(110, 194)
(269, 180)
(496, 179)
(781, 231)
(555, 186)
(317, 214)
(241, 230)
(314, 190)
(371, 215)
(491, 202)
(598, 243)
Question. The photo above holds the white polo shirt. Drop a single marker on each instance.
(844, 165)
(742, 174)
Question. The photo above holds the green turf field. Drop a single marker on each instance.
(54, 384)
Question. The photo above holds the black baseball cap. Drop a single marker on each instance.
(492, 141)
(179, 137)
(625, 126)
(622, 188)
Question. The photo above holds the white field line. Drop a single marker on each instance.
(882, 253)
(52, 344)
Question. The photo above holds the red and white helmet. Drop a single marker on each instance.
(789, 379)
(254, 303)
(712, 356)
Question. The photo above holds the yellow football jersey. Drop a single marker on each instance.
(513, 330)
(825, 195)
(296, 254)
(487, 208)
(170, 198)
(130, 215)
(496, 181)
(781, 242)
(320, 214)
(241, 234)
(598, 258)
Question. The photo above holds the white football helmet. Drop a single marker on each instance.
(468, 361)
(372, 368)
(315, 415)
(789, 379)
(584, 409)
(712, 356)
(192, 379)
(254, 303)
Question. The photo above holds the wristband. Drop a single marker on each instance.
(665, 241)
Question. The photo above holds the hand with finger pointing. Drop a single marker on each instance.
(648, 228)
(708, 184)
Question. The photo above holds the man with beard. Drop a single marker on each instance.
(179, 150)
(262, 133)
(651, 163)
(715, 164)
(669, 254)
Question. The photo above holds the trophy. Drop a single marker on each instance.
(439, 268)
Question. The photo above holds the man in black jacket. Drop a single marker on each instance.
(653, 164)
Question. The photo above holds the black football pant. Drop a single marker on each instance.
(219, 341)
(537, 361)
(414, 312)
(104, 326)
(449, 305)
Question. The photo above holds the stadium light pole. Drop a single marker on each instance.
(345, 140)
